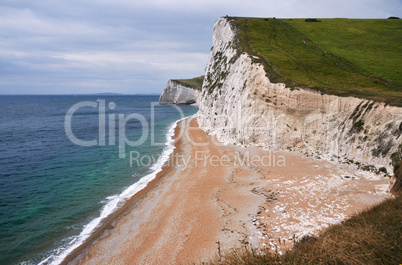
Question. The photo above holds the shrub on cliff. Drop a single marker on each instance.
(396, 180)
(312, 20)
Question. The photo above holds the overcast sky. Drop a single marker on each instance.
(132, 46)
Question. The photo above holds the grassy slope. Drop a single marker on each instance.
(371, 237)
(195, 82)
(373, 44)
(345, 57)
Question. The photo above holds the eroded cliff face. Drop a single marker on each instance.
(177, 93)
(240, 105)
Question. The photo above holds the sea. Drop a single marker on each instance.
(69, 161)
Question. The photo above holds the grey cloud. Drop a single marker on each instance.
(130, 46)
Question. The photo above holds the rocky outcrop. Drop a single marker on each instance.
(178, 93)
(239, 105)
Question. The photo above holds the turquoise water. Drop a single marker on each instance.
(50, 188)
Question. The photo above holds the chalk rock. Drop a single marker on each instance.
(240, 105)
(177, 93)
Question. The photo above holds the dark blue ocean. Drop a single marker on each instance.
(53, 192)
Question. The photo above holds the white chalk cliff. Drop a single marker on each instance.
(239, 105)
(178, 93)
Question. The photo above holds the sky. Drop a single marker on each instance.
(132, 46)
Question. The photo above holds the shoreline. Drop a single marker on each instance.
(188, 208)
(108, 223)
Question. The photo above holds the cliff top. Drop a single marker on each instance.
(195, 82)
(345, 57)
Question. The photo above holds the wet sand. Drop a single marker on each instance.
(210, 195)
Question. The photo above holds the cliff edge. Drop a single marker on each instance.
(240, 105)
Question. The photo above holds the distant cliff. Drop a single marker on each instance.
(182, 92)
(240, 105)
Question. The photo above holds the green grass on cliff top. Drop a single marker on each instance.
(345, 57)
(195, 82)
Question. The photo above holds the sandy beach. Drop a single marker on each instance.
(210, 195)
